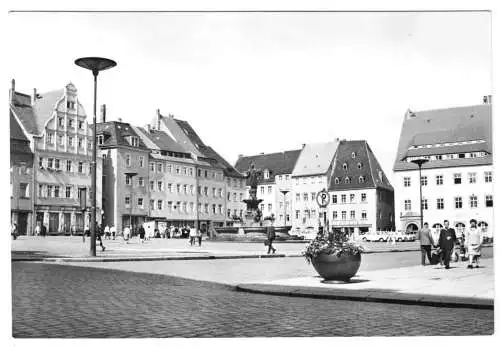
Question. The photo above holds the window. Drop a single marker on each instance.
(353, 214)
(353, 155)
(50, 162)
(306, 196)
(80, 167)
(159, 204)
(472, 177)
(313, 196)
(185, 189)
(190, 171)
(297, 197)
(152, 167)
(337, 181)
(128, 180)
(170, 188)
(191, 206)
(262, 207)
(220, 209)
(262, 190)
(80, 142)
(473, 201)
(423, 181)
(266, 174)
(152, 185)
(214, 192)
(269, 207)
(489, 200)
(89, 144)
(70, 141)
(80, 124)
(407, 205)
(151, 204)
(334, 199)
(344, 166)
(407, 181)
(351, 198)
(68, 192)
(241, 198)
(361, 179)
(128, 160)
(184, 170)
(363, 215)
(457, 178)
(40, 190)
(269, 189)
(140, 202)
(307, 214)
(159, 184)
(334, 215)
(205, 190)
(363, 197)
(206, 207)
(141, 161)
(191, 189)
(70, 105)
(297, 214)
(439, 180)
(344, 215)
(135, 141)
(440, 203)
(40, 162)
(127, 201)
(100, 139)
(204, 174)
(49, 191)
(159, 167)
(313, 214)
(141, 181)
(360, 166)
(347, 180)
(60, 122)
(488, 176)
(343, 198)
(61, 140)
(169, 206)
(458, 202)
(70, 123)
(425, 204)
(50, 139)
(23, 190)
(221, 193)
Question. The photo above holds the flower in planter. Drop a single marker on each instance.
(336, 243)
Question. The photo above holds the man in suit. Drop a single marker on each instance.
(447, 239)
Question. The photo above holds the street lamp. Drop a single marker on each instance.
(94, 64)
(284, 192)
(420, 162)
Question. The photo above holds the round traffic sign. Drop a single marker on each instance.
(323, 198)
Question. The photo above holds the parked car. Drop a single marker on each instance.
(375, 237)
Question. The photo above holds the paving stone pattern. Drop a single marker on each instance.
(61, 301)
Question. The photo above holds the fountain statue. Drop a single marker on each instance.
(252, 226)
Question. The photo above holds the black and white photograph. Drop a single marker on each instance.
(255, 173)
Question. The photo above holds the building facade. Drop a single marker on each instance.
(276, 171)
(61, 139)
(362, 198)
(311, 174)
(21, 179)
(457, 180)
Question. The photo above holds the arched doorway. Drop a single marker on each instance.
(411, 227)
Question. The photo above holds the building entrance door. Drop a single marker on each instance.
(22, 223)
(53, 222)
(67, 222)
(79, 222)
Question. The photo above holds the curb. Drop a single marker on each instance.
(367, 296)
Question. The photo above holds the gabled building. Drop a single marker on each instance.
(125, 176)
(362, 198)
(55, 124)
(311, 174)
(21, 179)
(172, 180)
(276, 169)
(457, 180)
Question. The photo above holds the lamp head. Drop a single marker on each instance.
(95, 64)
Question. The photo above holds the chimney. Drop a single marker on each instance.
(171, 115)
(103, 113)
(148, 127)
(303, 145)
(33, 99)
(158, 118)
(12, 90)
(487, 99)
(240, 156)
(120, 119)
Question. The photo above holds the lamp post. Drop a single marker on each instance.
(95, 64)
(420, 162)
(284, 192)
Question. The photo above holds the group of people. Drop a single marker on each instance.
(439, 246)
(194, 234)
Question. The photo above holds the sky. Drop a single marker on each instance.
(263, 82)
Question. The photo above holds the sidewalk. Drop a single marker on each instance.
(429, 285)
(65, 248)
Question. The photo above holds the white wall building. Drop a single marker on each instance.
(457, 181)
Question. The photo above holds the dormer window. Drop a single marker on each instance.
(337, 181)
(70, 105)
(344, 166)
(266, 174)
(361, 179)
(360, 166)
(134, 140)
(353, 155)
(347, 180)
(100, 139)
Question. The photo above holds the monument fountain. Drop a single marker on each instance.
(253, 226)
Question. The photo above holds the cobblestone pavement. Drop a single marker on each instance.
(52, 300)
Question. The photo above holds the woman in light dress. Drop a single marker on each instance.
(473, 241)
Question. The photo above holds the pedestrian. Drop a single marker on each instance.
(447, 239)
(73, 229)
(271, 235)
(86, 232)
(424, 235)
(112, 231)
(107, 233)
(126, 234)
(142, 233)
(13, 230)
(199, 235)
(98, 231)
(192, 236)
(435, 232)
(44, 230)
(474, 241)
(38, 229)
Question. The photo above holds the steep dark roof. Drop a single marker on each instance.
(280, 163)
(451, 125)
(20, 151)
(208, 151)
(16, 133)
(370, 169)
(115, 134)
(161, 140)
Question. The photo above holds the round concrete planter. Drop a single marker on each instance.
(331, 267)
